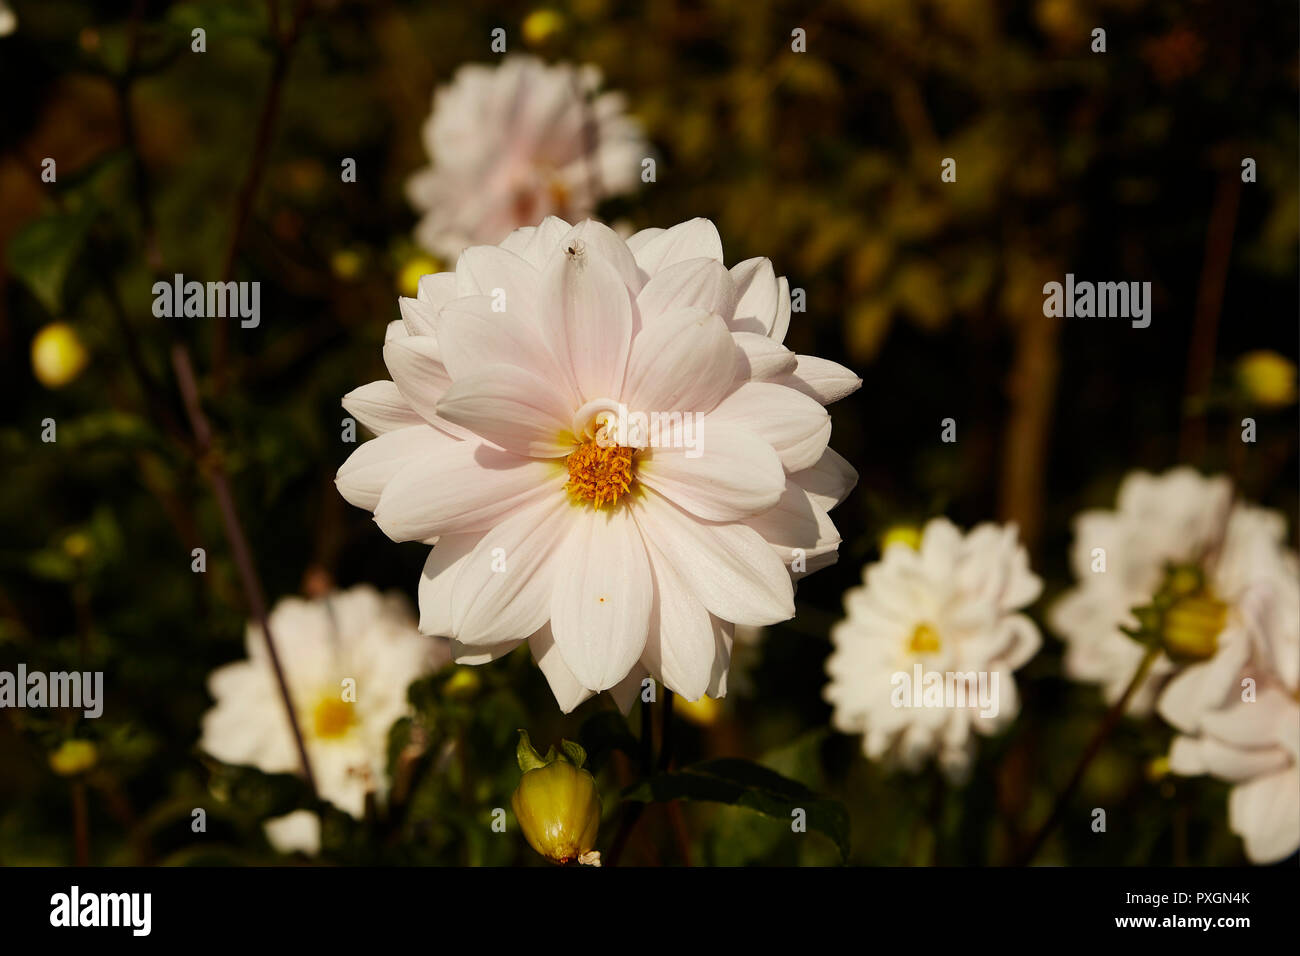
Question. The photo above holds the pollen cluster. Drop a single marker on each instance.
(924, 640)
(600, 474)
(332, 717)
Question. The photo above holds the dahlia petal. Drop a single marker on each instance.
(417, 316)
(822, 379)
(791, 422)
(681, 646)
(782, 323)
(758, 296)
(702, 283)
(600, 607)
(468, 486)
(586, 318)
(503, 591)
(764, 360)
(687, 240)
(1265, 813)
(730, 567)
(380, 407)
(796, 528)
(438, 578)
(606, 243)
(734, 474)
(569, 693)
(494, 272)
(473, 335)
(415, 362)
(829, 481)
(513, 408)
(437, 290)
(368, 470)
(685, 361)
(473, 655)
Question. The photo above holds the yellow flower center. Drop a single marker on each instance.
(332, 717)
(599, 474)
(1193, 625)
(924, 640)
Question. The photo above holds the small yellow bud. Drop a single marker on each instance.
(1157, 769)
(463, 683)
(76, 545)
(73, 757)
(541, 26)
(1192, 626)
(346, 264)
(904, 534)
(557, 804)
(57, 355)
(1268, 378)
(408, 280)
(704, 712)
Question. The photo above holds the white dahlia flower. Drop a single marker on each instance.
(928, 649)
(615, 552)
(514, 143)
(1255, 745)
(348, 659)
(1234, 582)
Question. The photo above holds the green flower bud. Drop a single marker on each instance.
(1192, 626)
(556, 803)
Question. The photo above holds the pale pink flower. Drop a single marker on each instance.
(514, 143)
(613, 559)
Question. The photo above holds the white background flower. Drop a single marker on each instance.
(486, 445)
(514, 143)
(356, 634)
(949, 606)
(1177, 518)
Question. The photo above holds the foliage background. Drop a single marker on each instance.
(1117, 165)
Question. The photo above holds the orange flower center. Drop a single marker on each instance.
(599, 474)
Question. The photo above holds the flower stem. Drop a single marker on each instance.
(1108, 724)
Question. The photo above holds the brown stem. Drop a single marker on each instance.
(1209, 305)
(1108, 724)
(238, 539)
(1031, 387)
(285, 43)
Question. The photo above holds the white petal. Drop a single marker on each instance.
(503, 592)
(438, 578)
(822, 379)
(681, 645)
(362, 478)
(586, 316)
(569, 693)
(730, 567)
(792, 423)
(702, 283)
(471, 655)
(797, 528)
(415, 363)
(490, 270)
(686, 361)
(687, 240)
(600, 607)
(437, 290)
(513, 408)
(468, 486)
(758, 296)
(607, 244)
(829, 481)
(473, 335)
(764, 360)
(380, 407)
(733, 474)
(417, 316)
(782, 323)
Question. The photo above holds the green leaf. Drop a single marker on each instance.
(745, 784)
(41, 254)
